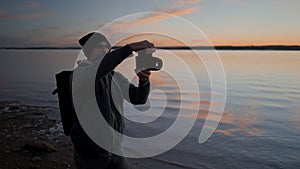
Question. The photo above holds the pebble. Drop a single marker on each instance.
(58, 141)
(27, 125)
(36, 159)
(35, 166)
(16, 149)
(41, 112)
(41, 146)
(6, 108)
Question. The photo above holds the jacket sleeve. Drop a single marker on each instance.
(133, 94)
(111, 60)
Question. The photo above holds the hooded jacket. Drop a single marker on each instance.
(110, 104)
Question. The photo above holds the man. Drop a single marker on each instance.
(88, 155)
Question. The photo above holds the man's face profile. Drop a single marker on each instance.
(100, 50)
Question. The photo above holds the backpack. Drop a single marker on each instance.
(66, 107)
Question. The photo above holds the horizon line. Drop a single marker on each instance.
(217, 47)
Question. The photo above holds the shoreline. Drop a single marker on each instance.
(30, 138)
(225, 47)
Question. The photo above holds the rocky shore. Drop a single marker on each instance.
(32, 138)
(29, 138)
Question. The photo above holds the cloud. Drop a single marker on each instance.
(157, 39)
(48, 36)
(27, 11)
(11, 40)
(32, 16)
(181, 3)
(70, 39)
(178, 8)
(30, 5)
(2, 13)
(154, 17)
(26, 16)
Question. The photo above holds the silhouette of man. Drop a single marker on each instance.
(88, 155)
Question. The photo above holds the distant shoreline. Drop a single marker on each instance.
(267, 47)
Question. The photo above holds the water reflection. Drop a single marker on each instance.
(295, 119)
(260, 127)
(232, 123)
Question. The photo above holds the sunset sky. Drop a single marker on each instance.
(225, 22)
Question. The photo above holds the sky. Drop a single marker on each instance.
(224, 22)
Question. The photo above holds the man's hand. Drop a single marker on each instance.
(143, 74)
(136, 46)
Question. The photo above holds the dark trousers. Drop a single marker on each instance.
(101, 161)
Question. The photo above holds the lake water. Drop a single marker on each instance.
(260, 124)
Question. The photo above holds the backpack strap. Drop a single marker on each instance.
(55, 91)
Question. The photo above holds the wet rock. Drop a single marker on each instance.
(35, 166)
(68, 165)
(41, 121)
(10, 116)
(15, 106)
(11, 107)
(16, 149)
(36, 159)
(58, 141)
(27, 125)
(6, 108)
(40, 146)
(41, 112)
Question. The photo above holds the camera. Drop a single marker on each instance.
(147, 61)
